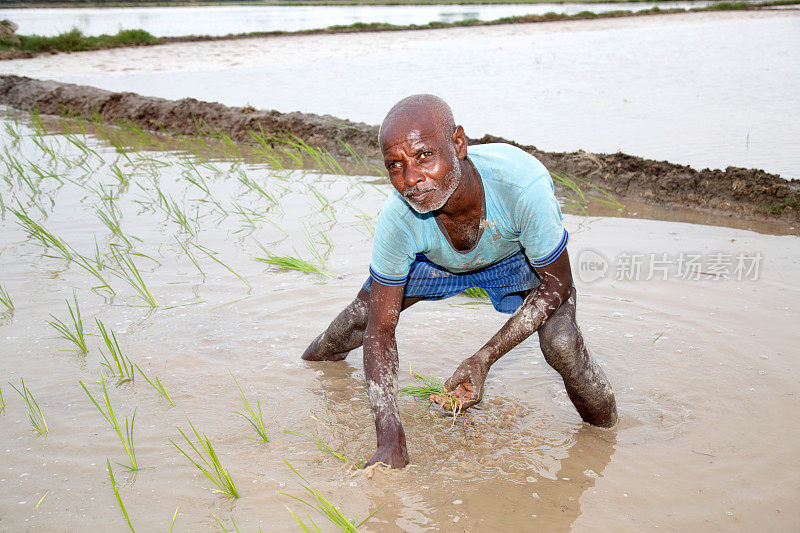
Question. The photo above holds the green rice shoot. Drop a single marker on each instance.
(128, 271)
(208, 462)
(125, 437)
(323, 506)
(75, 334)
(5, 299)
(291, 263)
(478, 293)
(35, 414)
(156, 384)
(253, 416)
(222, 527)
(121, 366)
(321, 444)
(119, 498)
(430, 385)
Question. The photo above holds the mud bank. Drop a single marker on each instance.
(750, 194)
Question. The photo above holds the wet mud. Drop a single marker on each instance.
(750, 194)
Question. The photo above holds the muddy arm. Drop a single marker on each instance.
(380, 367)
(538, 306)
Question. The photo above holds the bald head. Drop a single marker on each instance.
(419, 111)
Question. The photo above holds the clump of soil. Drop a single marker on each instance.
(746, 193)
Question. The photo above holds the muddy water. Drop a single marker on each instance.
(704, 370)
(222, 20)
(707, 89)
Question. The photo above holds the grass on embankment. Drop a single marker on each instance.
(74, 40)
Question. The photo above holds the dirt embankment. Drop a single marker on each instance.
(746, 193)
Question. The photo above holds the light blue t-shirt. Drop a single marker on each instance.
(521, 213)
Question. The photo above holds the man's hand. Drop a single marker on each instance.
(392, 456)
(466, 384)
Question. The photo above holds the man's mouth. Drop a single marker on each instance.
(416, 194)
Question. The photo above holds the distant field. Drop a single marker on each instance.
(148, 3)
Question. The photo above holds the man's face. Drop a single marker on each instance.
(422, 162)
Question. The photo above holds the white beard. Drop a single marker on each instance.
(451, 181)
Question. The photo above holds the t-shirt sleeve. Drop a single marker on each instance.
(540, 223)
(393, 249)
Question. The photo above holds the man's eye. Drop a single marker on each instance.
(393, 165)
(425, 155)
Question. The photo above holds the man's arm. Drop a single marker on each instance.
(556, 284)
(380, 367)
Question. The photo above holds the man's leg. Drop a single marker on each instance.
(586, 383)
(346, 332)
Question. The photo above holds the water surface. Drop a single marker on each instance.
(224, 20)
(704, 370)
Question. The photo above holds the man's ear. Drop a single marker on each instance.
(460, 141)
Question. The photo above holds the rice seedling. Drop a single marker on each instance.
(5, 298)
(428, 386)
(321, 444)
(35, 414)
(111, 220)
(129, 272)
(253, 416)
(2, 401)
(119, 498)
(367, 221)
(222, 527)
(75, 334)
(323, 506)
(573, 184)
(127, 437)
(252, 185)
(45, 148)
(41, 500)
(199, 182)
(324, 204)
(37, 231)
(478, 293)
(211, 254)
(247, 215)
(174, 516)
(13, 165)
(208, 462)
(291, 263)
(36, 121)
(156, 384)
(191, 256)
(86, 264)
(122, 178)
(82, 146)
(311, 244)
(119, 366)
(12, 133)
(180, 217)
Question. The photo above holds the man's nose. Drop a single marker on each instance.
(412, 175)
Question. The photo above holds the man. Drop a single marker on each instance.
(460, 218)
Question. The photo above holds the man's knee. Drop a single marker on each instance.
(562, 348)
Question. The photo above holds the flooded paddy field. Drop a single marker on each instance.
(701, 358)
(224, 20)
(712, 90)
